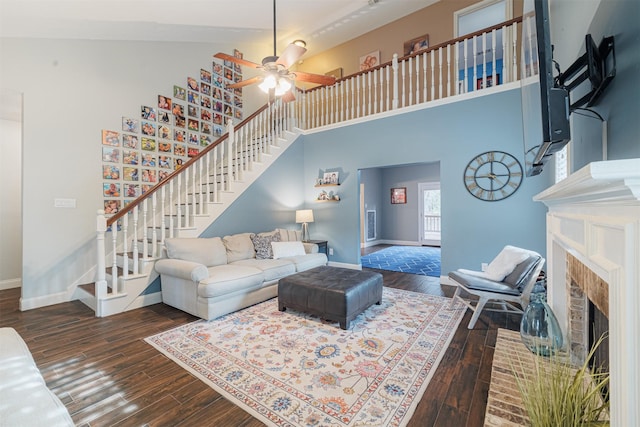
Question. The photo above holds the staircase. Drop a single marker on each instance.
(193, 197)
(183, 205)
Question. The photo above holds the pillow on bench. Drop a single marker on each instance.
(506, 261)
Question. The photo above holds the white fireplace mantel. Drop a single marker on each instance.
(594, 215)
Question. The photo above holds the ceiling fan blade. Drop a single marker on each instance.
(314, 78)
(291, 54)
(240, 61)
(252, 80)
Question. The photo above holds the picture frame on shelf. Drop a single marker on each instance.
(331, 178)
(398, 195)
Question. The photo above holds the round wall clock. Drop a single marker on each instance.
(493, 176)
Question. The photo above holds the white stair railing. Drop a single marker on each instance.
(174, 203)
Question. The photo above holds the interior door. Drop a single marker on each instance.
(430, 219)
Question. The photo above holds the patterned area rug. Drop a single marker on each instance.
(424, 260)
(292, 369)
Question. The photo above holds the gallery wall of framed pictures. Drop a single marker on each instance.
(168, 132)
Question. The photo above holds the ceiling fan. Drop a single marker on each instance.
(277, 79)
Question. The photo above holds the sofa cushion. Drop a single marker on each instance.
(289, 235)
(239, 246)
(479, 283)
(287, 249)
(273, 269)
(505, 262)
(262, 244)
(308, 261)
(226, 279)
(207, 251)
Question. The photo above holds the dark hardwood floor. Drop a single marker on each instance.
(106, 375)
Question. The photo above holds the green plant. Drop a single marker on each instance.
(556, 394)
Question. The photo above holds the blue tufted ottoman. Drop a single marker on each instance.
(332, 293)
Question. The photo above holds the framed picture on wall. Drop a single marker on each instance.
(480, 81)
(370, 60)
(398, 195)
(416, 45)
(337, 73)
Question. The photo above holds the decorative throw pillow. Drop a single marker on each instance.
(505, 262)
(239, 246)
(287, 249)
(206, 251)
(289, 235)
(262, 244)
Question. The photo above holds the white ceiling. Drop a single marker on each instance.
(322, 23)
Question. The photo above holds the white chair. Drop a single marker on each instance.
(508, 279)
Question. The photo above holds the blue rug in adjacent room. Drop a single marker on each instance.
(424, 260)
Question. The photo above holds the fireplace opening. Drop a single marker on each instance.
(599, 325)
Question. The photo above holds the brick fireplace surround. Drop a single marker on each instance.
(593, 237)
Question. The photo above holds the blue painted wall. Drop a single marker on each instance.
(373, 197)
(270, 202)
(474, 231)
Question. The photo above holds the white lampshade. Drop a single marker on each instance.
(304, 215)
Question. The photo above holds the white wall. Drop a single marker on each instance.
(10, 200)
(72, 90)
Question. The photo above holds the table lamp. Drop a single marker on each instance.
(304, 216)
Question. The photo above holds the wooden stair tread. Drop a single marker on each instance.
(89, 288)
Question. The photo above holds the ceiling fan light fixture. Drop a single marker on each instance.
(283, 86)
(268, 83)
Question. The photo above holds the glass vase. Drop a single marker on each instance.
(539, 328)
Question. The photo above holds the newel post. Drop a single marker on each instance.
(101, 281)
(394, 65)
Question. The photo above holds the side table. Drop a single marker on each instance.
(323, 245)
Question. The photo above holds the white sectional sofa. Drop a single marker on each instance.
(210, 277)
(25, 399)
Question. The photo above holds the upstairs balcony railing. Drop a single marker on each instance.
(473, 62)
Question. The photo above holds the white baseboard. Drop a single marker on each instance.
(10, 284)
(145, 300)
(399, 242)
(370, 243)
(344, 265)
(43, 301)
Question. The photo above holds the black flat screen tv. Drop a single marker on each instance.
(545, 105)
